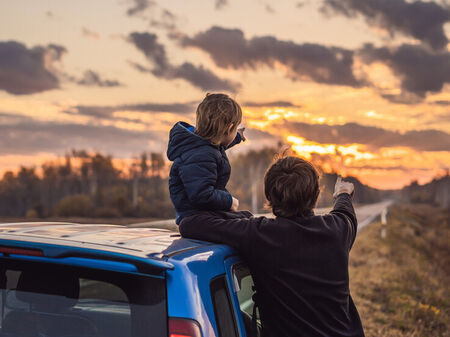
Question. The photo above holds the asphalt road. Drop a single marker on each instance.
(365, 215)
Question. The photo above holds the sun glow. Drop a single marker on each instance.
(306, 148)
(279, 113)
(386, 167)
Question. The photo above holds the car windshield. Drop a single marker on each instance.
(54, 301)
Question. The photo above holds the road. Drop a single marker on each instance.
(365, 215)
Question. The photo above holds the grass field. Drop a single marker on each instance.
(401, 284)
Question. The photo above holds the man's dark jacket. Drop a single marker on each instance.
(299, 266)
(199, 173)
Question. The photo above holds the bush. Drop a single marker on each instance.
(106, 212)
(120, 204)
(74, 205)
(156, 209)
(31, 214)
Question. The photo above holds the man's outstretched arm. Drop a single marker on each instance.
(230, 228)
(343, 208)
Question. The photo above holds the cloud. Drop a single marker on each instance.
(106, 112)
(442, 102)
(269, 9)
(301, 4)
(155, 53)
(23, 135)
(8, 118)
(167, 21)
(140, 6)
(202, 78)
(388, 168)
(91, 78)
(25, 71)
(28, 70)
(419, 70)
(420, 140)
(256, 135)
(275, 104)
(90, 34)
(26, 135)
(422, 20)
(152, 49)
(230, 49)
(221, 3)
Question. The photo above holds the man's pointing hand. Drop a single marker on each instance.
(343, 187)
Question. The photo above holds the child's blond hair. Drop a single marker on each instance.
(215, 114)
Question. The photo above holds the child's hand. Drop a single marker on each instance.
(234, 205)
(241, 132)
(343, 187)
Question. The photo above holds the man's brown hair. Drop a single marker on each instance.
(291, 186)
(215, 114)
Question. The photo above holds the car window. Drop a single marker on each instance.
(243, 285)
(223, 311)
(244, 290)
(101, 290)
(46, 300)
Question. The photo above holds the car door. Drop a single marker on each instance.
(242, 289)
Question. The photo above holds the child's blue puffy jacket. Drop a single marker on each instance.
(199, 173)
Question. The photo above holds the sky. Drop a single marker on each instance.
(361, 87)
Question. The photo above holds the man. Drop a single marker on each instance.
(299, 261)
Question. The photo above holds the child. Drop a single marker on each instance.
(201, 169)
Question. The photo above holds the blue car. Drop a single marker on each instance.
(74, 280)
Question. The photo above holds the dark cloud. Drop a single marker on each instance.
(166, 21)
(91, 78)
(196, 75)
(156, 107)
(269, 9)
(388, 168)
(403, 98)
(90, 34)
(202, 78)
(152, 49)
(419, 70)
(422, 20)
(29, 136)
(423, 140)
(106, 112)
(278, 104)
(221, 3)
(230, 49)
(9, 118)
(256, 135)
(28, 70)
(442, 102)
(140, 6)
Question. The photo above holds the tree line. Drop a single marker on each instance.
(84, 184)
(89, 185)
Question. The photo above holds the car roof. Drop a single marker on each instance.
(139, 242)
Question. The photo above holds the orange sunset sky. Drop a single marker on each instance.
(359, 86)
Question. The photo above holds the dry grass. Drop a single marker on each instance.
(401, 284)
